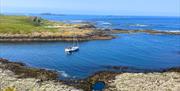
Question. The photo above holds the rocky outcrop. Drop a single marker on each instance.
(20, 77)
(86, 26)
(23, 71)
(9, 80)
(168, 81)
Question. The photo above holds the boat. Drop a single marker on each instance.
(74, 47)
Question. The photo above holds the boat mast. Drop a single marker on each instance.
(75, 40)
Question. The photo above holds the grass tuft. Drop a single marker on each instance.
(9, 89)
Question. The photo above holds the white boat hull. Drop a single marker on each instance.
(72, 49)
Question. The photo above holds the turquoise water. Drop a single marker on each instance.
(136, 50)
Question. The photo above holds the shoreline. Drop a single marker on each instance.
(21, 71)
(53, 38)
(102, 35)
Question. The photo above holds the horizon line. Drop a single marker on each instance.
(23, 13)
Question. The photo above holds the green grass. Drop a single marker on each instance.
(22, 25)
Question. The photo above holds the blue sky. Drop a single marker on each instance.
(94, 7)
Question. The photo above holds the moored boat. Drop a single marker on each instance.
(74, 47)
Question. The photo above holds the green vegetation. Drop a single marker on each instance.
(9, 89)
(24, 24)
(36, 26)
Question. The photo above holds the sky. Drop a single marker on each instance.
(94, 7)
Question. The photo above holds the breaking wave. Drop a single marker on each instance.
(74, 21)
(174, 31)
(64, 74)
(103, 23)
(139, 25)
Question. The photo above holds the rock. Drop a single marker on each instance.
(30, 84)
(86, 26)
(16, 75)
(146, 82)
(23, 71)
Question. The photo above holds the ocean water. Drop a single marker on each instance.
(122, 22)
(135, 50)
(139, 50)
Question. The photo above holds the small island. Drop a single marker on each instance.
(33, 28)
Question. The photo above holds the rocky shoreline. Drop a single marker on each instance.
(16, 75)
(10, 82)
(48, 38)
(100, 35)
(51, 39)
(167, 81)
